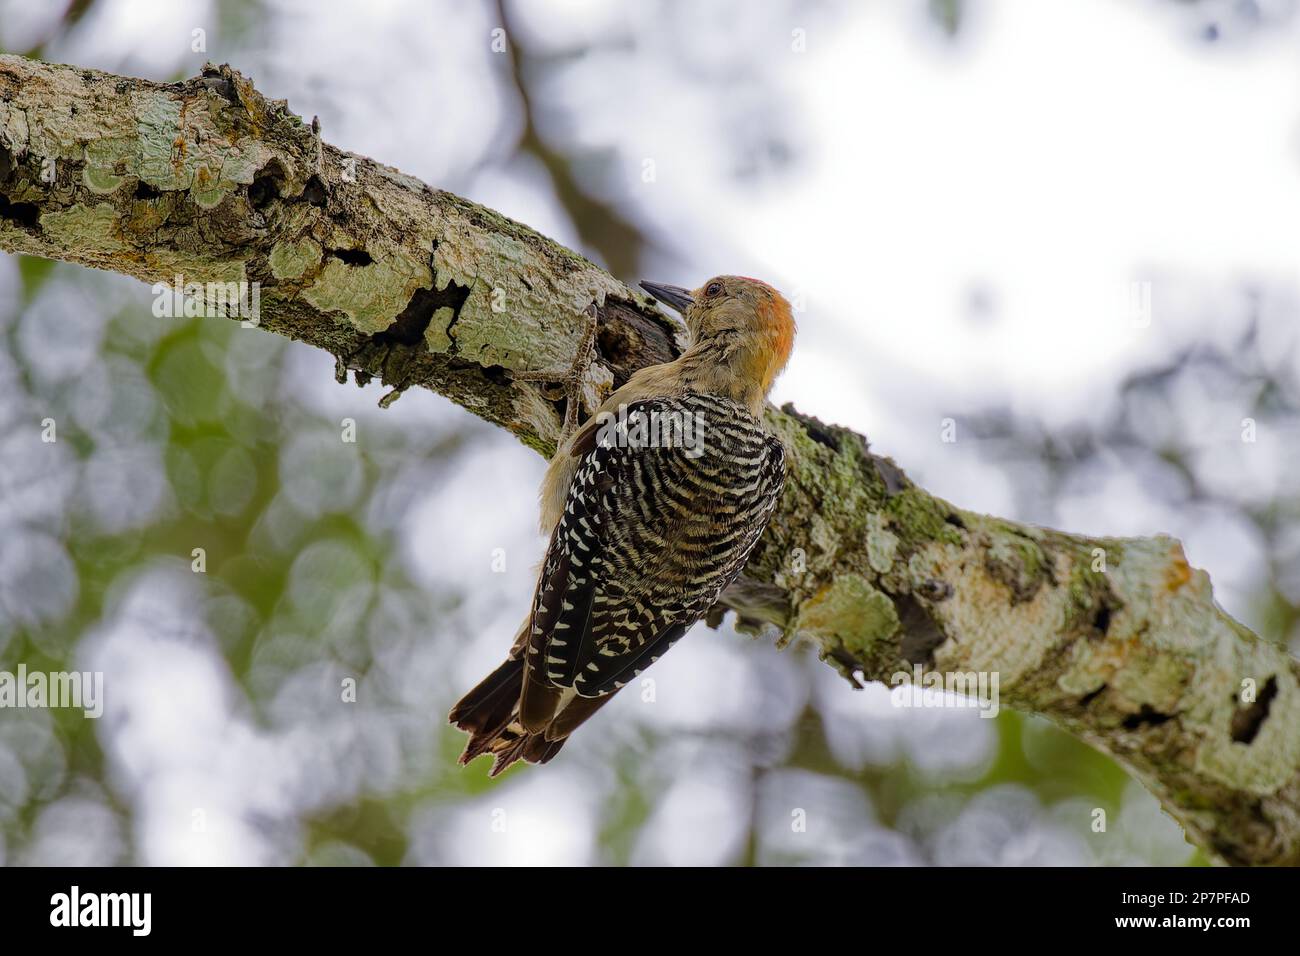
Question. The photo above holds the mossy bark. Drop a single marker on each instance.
(1118, 641)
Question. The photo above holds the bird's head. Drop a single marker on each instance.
(749, 320)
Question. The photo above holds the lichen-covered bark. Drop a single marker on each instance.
(1118, 641)
(210, 181)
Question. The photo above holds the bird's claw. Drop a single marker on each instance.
(571, 378)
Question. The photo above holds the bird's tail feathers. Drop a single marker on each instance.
(490, 715)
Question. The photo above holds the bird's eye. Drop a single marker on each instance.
(713, 288)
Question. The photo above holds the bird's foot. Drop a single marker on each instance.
(571, 378)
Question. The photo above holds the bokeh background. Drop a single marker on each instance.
(1069, 226)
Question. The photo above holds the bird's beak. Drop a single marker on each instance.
(673, 296)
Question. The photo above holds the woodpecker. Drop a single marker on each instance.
(652, 508)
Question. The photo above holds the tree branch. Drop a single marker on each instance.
(1119, 641)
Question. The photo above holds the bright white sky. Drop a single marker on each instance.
(1070, 149)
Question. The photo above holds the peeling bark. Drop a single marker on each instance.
(1119, 641)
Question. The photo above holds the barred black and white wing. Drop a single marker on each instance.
(661, 515)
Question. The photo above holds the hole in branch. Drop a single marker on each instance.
(497, 375)
(408, 328)
(353, 257)
(262, 192)
(25, 215)
(314, 191)
(1247, 720)
(1147, 716)
(1092, 695)
(266, 185)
